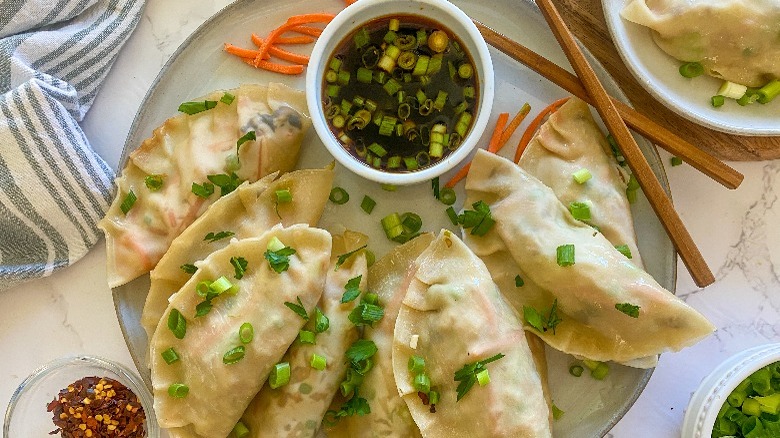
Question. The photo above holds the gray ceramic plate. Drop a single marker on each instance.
(199, 66)
(690, 98)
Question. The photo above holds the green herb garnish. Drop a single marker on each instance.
(239, 265)
(298, 308)
(191, 108)
(343, 257)
(203, 190)
(467, 375)
(213, 237)
(128, 202)
(538, 321)
(279, 260)
(153, 182)
(629, 309)
(351, 289)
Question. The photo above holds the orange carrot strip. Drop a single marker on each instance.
(497, 132)
(287, 69)
(529, 132)
(349, 2)
(281, 53)
(240, 52)
(295, 20)
(513, 125)
(500, 123)
(299, 39)
(308, 30)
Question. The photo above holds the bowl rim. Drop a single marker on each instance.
(128, 376)
(705, 402)
(336, 30)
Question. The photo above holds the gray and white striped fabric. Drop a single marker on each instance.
(54, 188)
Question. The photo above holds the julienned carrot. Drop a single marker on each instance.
(287, 69)
(494, 139)
(308, 30)
(349, 2)
(281, 53)
(295, 20)
(513, 125)
(534, 125)
(240, 52)
(298, 39)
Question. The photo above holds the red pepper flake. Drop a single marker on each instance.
(97, 407)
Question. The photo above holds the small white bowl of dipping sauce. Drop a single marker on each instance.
(358, 103)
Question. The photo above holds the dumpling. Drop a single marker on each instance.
(569, 141)
(609, 309)
(297, 409)
(156, 198)
(733, 39)
(248, 211)
(389, 417)
(218, 390)
(457, 317)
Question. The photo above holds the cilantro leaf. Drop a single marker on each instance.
(343, 257)
(361, 350)
(351, 289)
(298, 308)
(239, 264)
(478, 219)
(629, 309)
(188, 268)
(203, 190)
(279, 260)
(213, 237)
(321, 322)
(226, 183)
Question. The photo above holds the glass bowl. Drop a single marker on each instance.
(365, 11)
(706, 402)
(26, 415)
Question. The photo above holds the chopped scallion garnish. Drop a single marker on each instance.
(338, 196)
(676, 161)
(178, 390)
(234, 355)
(239, 266)
(227, 98)
(467, 375)
(153, 182)
(170, 356)
(367, 204)
(416, 364)
(177, 324)
(582, 175)
(307, 337)
(191, 108)
(280, 375)
(691, 70)
(128, 202)
(565, 255)
(318, 362)
(576, 370)
(580, 210)
(624, 249)
(519, 281)
(246, 333)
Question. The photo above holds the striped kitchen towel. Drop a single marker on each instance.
(54, 188)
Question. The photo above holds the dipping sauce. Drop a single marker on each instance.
(400, 93)
(97, 407)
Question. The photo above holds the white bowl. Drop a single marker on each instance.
(705, 403)
(658, 73)
(364, 11)
(26, 415)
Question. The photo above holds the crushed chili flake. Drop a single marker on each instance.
(97, 407)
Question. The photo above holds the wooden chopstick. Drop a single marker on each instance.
(652, 189)
(700, 160)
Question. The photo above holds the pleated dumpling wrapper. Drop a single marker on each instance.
(734, 40)
(608, 308)
(189, 162)
(389, 416)
(249, 211)
(453, 316)
(569, 141)
(296, 409)
(222, 367)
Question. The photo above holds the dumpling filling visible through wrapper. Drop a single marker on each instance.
(193, 149)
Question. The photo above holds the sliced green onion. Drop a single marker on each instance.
(239, 431)
(234, 355)
(565, 255)
(440, 101)
(676, 161)
(421, 66)
(191, 108)
(170, 356)
(576, 370)
(367, 204)
(483, 377)
(519, 281)
(220, 285)
(624, 249)
(343, 78)
(227, 98)
(768, 92)
(394, 24)
(407, 60)
(153, 182)
(338, 196)
(556, 412)
(364, 75)
(452, 215)
(598, 370)
(246, 333)
(388, 187)
(177, 324)
(447, 196)
(283, 196)
(582, 175)
(377, 149)
(465, 71)
(128, 202)
(387, 125)
(750, 96)
(469, 92)
(580, 210)
(318, 362)
(361, 38)
(394, 162)
(422, 383)
(306, 337)
(335, 64)
(732, 90)
(178, 390)
(717, 101)
(416, 364)
(691, 70)
(280, 375)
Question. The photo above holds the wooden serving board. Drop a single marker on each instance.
(586, 20)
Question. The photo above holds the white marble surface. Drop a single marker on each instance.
(738, 231)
